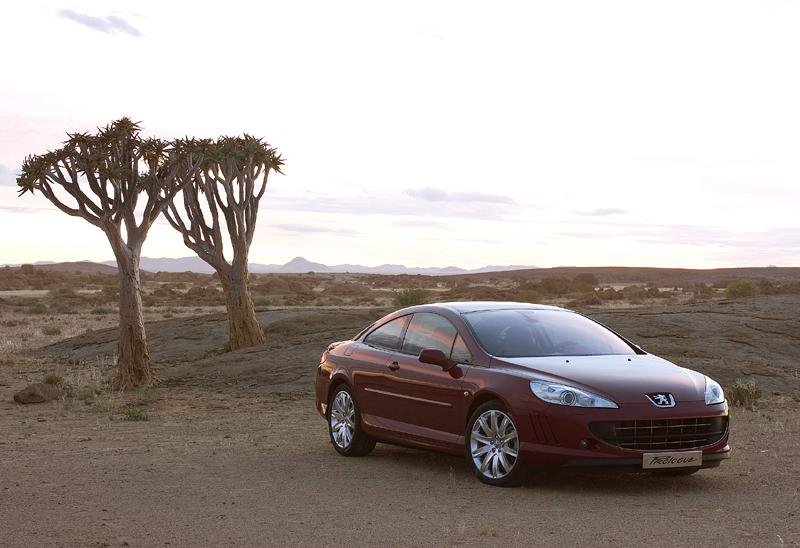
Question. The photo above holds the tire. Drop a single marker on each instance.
(344, 425)
(492, 442)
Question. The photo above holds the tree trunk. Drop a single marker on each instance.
(244, 329)
(133, 359)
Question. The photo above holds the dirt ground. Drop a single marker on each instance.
(233, 452)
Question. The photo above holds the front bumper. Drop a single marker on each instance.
(710, 460)
(553, 436)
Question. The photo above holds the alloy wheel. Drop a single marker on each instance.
(342, 417)
(494, 444)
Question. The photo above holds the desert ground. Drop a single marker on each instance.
(227, 449)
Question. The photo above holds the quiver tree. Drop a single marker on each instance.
(120, 183)
(221, 201)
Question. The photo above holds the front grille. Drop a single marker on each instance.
(662, 434)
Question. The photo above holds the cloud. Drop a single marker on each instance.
(431, 194)
(312, 229)
(396, 205)
(602, 212)
(787, 238)
(25, 209)
(7, 176)
(111, 24)
(419, 223)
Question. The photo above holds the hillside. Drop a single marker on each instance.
(663, 277)
(637, 275)
(81, 267)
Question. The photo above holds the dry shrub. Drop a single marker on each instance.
(164, 292)
(587, 279)
(55, 380)
(51, 330)
(204, 294)
(410, 296)
(296, 291)
(347, 290)
(589, 299)
(557, 286)
(38, 308)
(262, 301)
(89, 375)
(742, 288)
(479, 293)
(135, 414)
(743, 393)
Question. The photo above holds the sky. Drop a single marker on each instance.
(435, 133)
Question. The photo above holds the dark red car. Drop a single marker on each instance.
(512, 386)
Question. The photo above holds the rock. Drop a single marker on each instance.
(37, 393)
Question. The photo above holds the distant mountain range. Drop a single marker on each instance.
(298, 265)
(301, 265)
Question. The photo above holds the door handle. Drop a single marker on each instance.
(394, 366)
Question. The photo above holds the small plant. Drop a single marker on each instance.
(742, 288)
(588, 299)
(63, 293)
(38, 308)
(743, 394)
(135, 414)
(99, 311)
(103, 403)
(52, 378)
(147, 396)
(410, 296)
(52, 330)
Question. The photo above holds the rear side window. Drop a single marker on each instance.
(429, 331)
(388, 335)
(460, 353)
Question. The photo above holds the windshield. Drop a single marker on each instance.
(536, 333)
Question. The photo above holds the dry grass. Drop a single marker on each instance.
(22, 330)
(743, 394)
(91, 375)
(54, 379)
(135, 414)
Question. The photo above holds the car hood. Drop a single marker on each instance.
(626, 379)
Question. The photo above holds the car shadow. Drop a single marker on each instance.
(628, 481)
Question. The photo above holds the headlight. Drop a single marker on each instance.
(561, 394)
(714, 393)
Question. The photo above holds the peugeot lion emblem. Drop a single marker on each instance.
(661, 399)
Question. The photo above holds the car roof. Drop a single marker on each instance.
(465, 307)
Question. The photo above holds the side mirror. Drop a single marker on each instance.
(436, 357)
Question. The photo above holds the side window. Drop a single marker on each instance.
(460, 353)
(388, 335)
(429, 331)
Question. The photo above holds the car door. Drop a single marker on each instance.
(372, 361)
(429, 399)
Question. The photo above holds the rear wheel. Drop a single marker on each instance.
(344, 425)
(493, 446)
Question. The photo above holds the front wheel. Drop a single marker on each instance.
(344, 425)
(493, 446)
